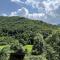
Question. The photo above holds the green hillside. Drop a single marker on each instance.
(37, 39)
(13, 25)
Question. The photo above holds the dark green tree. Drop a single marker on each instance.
(38, 44)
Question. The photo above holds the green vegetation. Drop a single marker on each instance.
(3, 46)
(28, 48)
(39, 40)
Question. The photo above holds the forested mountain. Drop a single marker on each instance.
(22, 33)
(14, 26)
(24, 24)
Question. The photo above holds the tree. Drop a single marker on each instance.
(38, 44)
(8, 40)
(4, 53)
(54, 42)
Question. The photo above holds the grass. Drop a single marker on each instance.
(28, 48)
(3, 46)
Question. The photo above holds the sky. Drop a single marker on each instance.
(45, 10)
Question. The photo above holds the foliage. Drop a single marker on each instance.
(38, 44)
(4, 53)
(22, 33)
(54, 43)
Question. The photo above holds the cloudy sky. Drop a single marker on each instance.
(46, 10)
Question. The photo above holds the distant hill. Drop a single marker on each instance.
(21, 24)
(58, 25)
(17, 22)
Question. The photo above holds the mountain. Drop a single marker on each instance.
(10, 25)
(18, 22)
(38, 38)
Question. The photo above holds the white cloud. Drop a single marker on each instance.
(20, 12)
(38, 16)
(46, 6)
(17, 1)
(51, 5)
(23, 12)
(13, 13)
(33, 3)
(4, 14)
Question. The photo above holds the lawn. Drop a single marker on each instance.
(28, 48)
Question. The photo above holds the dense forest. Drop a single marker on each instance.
(38, 40)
